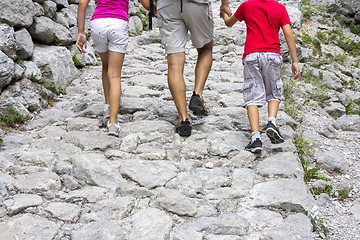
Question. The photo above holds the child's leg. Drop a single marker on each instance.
(115, 62)
(273, 107)
(104, 75)
(253, 114)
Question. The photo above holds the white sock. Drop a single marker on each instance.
(254, 136)
(106, 106)
(272, 120)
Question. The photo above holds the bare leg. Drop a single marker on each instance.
(104, 75)
(273, 107)
(176, 83)
(253, 114)
(203, 66)
(114, 72)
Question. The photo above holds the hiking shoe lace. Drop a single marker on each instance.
(113, 129)
(255, 146)
(273, 133)
(184, 128)
(197, 105)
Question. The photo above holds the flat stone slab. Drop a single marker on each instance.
(286, 194)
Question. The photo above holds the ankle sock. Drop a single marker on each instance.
(272, 120)
(254, 136)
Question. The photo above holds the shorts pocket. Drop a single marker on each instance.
(163, 3)
(247, 87)
(278, 87)
(275, 60)
(252, 58)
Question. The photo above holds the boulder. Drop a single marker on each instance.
(24, 44)
(26, 97)
(7, 41)
(45, 30)
(7, 67)
(49, 8)
(17, 13)
(56, 65)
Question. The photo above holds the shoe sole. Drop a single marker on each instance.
(198, 110)
(254, 150)
(113, 134)
(274, 136)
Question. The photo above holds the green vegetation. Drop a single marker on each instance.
(77, 62)
(292, 107)
(349, 110)
(343, 194)
(320, 90)
(62, 88)
(318, 223)
(318, 190)
(49, 85)
(312, 43)
(20, 61)
(1, 142)
(309, 10)
(10, 117)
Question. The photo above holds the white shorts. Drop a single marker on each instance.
(109, 34)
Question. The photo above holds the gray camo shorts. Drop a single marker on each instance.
(262, 74)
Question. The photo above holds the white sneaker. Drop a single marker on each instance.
(113, 129)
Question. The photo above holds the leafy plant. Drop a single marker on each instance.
(20, 61)
(309, 173)
(319, 224)
(62, 88)
(10, 117)
(349, 110)
(303, 147)
(1, 142)
(77, 62)
(48, 85)
(343, 193)
(292, 107)
(318, 190)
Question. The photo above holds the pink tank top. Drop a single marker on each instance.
(111, 9)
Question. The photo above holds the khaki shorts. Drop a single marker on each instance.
(177, 17)
(262, 74)
(109, 34)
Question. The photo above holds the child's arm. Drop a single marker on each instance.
(290, 40)
(81, 12)
(146, 4)
(229, 21)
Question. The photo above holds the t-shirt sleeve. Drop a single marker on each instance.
(285, 19)
(240, 12)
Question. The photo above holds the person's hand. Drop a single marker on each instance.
(295, 70)
(225, 8)
(81, 41)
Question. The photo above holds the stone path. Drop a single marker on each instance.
(66, 179)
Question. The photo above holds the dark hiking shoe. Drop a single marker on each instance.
(184, 128)
(273, 133)
(255, 146)
(197, 105)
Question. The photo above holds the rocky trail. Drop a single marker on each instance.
(64, 178)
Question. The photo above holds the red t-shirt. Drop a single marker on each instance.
(263, 20)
